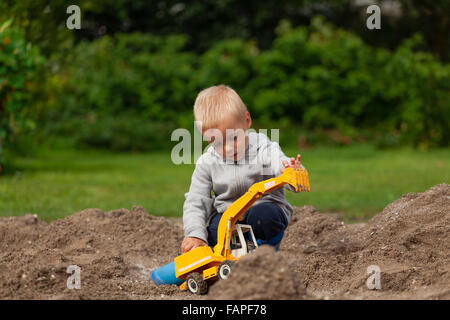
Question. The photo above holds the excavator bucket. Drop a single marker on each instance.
(302, 180)
(297, 178)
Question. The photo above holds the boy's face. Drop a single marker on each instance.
(229, 138)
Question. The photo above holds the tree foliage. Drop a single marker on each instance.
(207, 21)
(19, 61)
(318, 77)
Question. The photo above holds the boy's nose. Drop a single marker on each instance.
(229, 149)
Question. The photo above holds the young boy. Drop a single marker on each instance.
(235, 160)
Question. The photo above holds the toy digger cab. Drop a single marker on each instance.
(234, 240)
(242, 240)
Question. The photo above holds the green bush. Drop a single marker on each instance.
(19, 62)
(129, 91)
(326, 78)
(126, 88)
(416, 86)
(124, 133)
(229, 62)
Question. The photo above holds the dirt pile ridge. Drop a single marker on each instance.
(409, 241)
(320, 256)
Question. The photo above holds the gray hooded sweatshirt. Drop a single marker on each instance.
(229, 180)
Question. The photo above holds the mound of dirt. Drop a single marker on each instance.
(115, 251)
(409, 241)
(320, 256)
(261, 275)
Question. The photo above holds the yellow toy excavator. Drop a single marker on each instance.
(203, 264)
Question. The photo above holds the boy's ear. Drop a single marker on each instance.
(248, 119)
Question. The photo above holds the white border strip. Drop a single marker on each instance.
(194, 263)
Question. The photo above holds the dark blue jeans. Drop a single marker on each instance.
(267, 220)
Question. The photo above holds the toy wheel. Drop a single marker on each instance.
(225, 269)
(196, 284)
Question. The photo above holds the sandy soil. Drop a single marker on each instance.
(320, 257)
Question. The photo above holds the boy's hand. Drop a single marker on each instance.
(191, 243)
(295, 163)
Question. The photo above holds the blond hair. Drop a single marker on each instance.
(216, 103)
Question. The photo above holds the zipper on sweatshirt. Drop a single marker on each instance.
(236, 175)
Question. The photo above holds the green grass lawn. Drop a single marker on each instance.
(355, 181)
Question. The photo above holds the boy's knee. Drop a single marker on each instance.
(267, 220)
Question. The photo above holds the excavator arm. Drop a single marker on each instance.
(297, 178)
